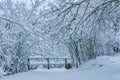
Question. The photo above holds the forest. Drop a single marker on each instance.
(81, 30)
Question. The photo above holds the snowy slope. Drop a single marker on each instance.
(102, 68)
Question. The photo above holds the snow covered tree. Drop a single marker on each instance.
(83, 25)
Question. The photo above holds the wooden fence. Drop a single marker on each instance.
(48, 62)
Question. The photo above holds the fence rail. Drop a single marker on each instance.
(49, 61)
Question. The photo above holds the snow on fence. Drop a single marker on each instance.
(49, 62)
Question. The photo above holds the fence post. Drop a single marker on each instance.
(65, 62)
(48, 62)
(29, 64)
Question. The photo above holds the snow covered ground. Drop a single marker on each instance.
(102, 68)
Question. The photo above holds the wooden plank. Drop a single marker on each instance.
(49, 58)
(47, 63)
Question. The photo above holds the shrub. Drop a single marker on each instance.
(68, 66)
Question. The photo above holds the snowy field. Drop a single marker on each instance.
(103, 68)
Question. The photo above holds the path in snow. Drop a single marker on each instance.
(102, 68)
